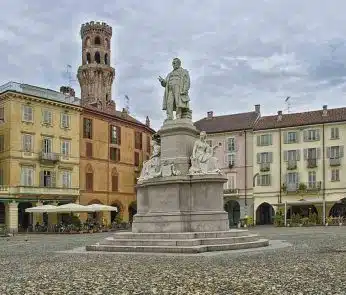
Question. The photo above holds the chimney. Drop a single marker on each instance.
(258, 108)
(147, 121)
(279, 115)
(210, 114)
(325, 110)
(67, 90)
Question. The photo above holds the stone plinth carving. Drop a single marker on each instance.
(202, 159)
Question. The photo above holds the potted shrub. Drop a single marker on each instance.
(302, 187)
(329, 220)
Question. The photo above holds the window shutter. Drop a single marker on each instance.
(118, 155)
(305, 135)
(285, 156)
(305, 154)
(341, 151)
(270, 139)
(270, 157)
(332, 133)
(258, 158)
(285, 137)
(115, 182)
(297, 155)
(258, 140)
(258, 180)
(110, 134)
(43, 150)
(53, 179)
(297, 136)
(317, 134)
(328, 152)
(318, 153)
(41, 178)
(297, 177)
(336, 132)
(269, 179)
(2, 114)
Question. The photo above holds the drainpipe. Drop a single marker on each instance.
(324, 176)
(280, 167)
(245, 185)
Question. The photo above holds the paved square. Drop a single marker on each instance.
(314, 264)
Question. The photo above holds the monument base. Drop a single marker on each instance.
(179, 243)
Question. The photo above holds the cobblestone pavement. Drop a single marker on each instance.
(314, 264)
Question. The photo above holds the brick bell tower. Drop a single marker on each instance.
(96, 75)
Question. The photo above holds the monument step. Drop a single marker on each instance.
(180, 236)
(185, 242)
(179, 249)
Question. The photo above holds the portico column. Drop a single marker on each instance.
(12, 217)
(37, 217)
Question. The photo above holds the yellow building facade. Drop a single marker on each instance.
(299, 161)
(39, 151)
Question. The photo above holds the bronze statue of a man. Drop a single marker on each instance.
(177, 85)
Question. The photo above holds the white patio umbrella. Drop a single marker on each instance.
(100, 207)
(70, 208)
(41, 209)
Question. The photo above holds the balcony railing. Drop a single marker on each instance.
(302, 187)
(231, 191)
(291, 164)
(264, 167)
(334, 161)
(311, 163)
(49, 157)
(32, 190)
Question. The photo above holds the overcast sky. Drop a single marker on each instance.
(238, 53)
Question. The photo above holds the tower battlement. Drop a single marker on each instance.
(95, 27)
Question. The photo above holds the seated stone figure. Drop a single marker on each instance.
(202, 159)
(152, 167)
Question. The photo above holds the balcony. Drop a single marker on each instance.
(265, 167)
(231, 191)
(312, 163)
(302, 187)
(32, 190)
(291, 164)
(49, 157)
(334, 161)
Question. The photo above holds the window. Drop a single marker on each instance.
(291, 137)
(148, 144)
(66, 179)
(47, 178)
(97, 57)
(230, 184)
(2, 143)
(97, 40)
(265, 139)
(312, 135)
(231, 159)
(47, 145)
(47, 117)
(291, 155)
(27, 142)
(115, 135)
(2, 114)
(138, 140)
(136, 156)
(292, 178)
(89, 181)
(263, 180)
(115, 182)
(335, 152)
(27, 176)
(335, 175)
(114, 154)
(266, 157)
(231, 144)
(28, 115)
(65, 148)
(89, 149)
(65, 120)
(312, 179)
(312, 153)
(334, 133)
(87, 128)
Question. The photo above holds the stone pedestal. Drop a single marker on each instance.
(181, 204)
(177, 140)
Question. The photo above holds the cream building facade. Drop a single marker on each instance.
(299, 161)
(39, 151)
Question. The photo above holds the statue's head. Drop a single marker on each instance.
(203, 135)
(176, 63)
(155, 139)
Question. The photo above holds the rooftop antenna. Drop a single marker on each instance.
(288, 103)
(127, 103)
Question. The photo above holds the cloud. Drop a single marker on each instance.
(238, 53)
